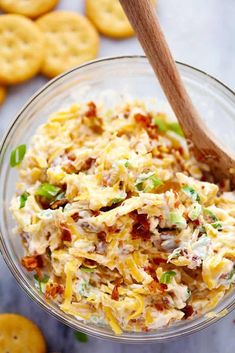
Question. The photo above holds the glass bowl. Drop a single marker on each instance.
(121, 77)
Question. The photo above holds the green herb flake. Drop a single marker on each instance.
(148, 183)
(41, 280)
(232, 273)
(139, 186)
(80, 336)
(23, 198)
(176, 219)
(167, 276)
(210, 214)
(117, 200)
(190, 192)
(17, 155)
(48, 191)
(155, 181)
(217, 225)
(162, 126)
(194, 211)
(175, 127)
(87, 269)
(127, 164)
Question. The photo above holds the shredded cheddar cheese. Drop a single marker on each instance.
(118, 214)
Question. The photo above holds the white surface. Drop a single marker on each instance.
(201, 33)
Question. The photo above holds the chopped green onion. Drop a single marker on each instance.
(87, 269)
(232, 273)
(167, 276)
(211, 215)
(127, 164)
(155, 181)
(176, 128)
(41, 281)
(17, 155)
(80, 336)
(194, 211)
(217, 225)
(202, 229)
(177, 220)
(117, 200)
(48, 191)
(23, 199)
(148, 182)
(189, 191)
(139, 186)
(162, 126)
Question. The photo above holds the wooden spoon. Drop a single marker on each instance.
(206, 148)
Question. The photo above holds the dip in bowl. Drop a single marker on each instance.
(125, 237)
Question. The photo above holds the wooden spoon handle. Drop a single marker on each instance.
(142, 16)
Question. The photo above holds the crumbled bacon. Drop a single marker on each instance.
(151, 271)
(176, 204)
(188, 311)
(159, 306)
(65, 232)
(92, 111)
(58, 203)
(163, 286)
(75, 216)
(145, 329)
(89, 263)
(207, 176)
(153, 133)
(158, 260)
(101, 236)
(126, 113)
(222, 184)
(71, 157)
(52, 290)
(141, 227)
(97, 125)
(144, 120)
(69, 168)
(115, 293)
(92, 120)
(180, 150)
(95, 213)
(31, 263)
(87, 164)
(155, 285)
(196, 222)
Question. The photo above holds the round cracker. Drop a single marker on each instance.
(21, 49)
(18, 334)
(70, 40)
(29, 8)
(109, 18)
(3, 93)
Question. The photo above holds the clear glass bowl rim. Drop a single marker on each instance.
(126, 337)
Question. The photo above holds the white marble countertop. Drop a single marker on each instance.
(201, 33)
